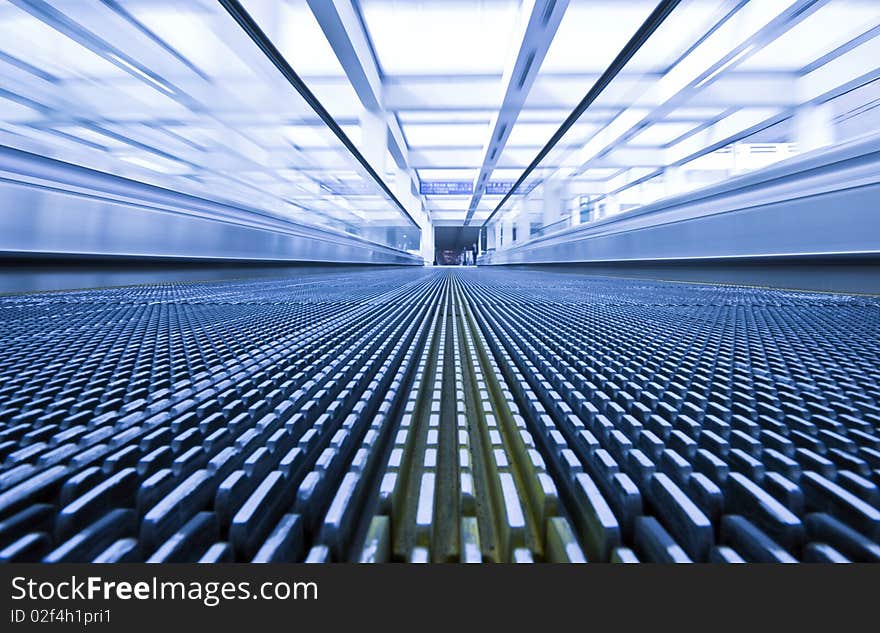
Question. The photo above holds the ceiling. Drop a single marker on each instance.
(478, 87)
(449, 100)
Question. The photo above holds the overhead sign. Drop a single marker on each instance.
(462, 187)
(446, 187)
(498, 187)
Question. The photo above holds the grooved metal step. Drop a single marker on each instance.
(439, 415)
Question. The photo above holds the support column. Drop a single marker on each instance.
(814, 126)
(374, 139)
(533, 210)
(555, 196)
(523, 227)
(674, 181)
(611, 206)
(402, 187)
(741, 153)
(428, 242)
(576, 213)
(507, 234)
(492, 236)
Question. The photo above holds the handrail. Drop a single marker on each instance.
(249, 26)
(651, 24)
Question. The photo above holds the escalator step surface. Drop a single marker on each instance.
(439, 415)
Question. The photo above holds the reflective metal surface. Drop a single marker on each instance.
(57, 208)
(719, 90)
(178, 96)
(821, 204)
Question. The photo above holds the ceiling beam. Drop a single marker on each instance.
(851, 67)
(539, 20)
(727, 46)
(339, 21)
(344, 30)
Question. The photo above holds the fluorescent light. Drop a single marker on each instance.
(162, 86)
(730, 62)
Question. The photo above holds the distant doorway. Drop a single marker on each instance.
(455, 245)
